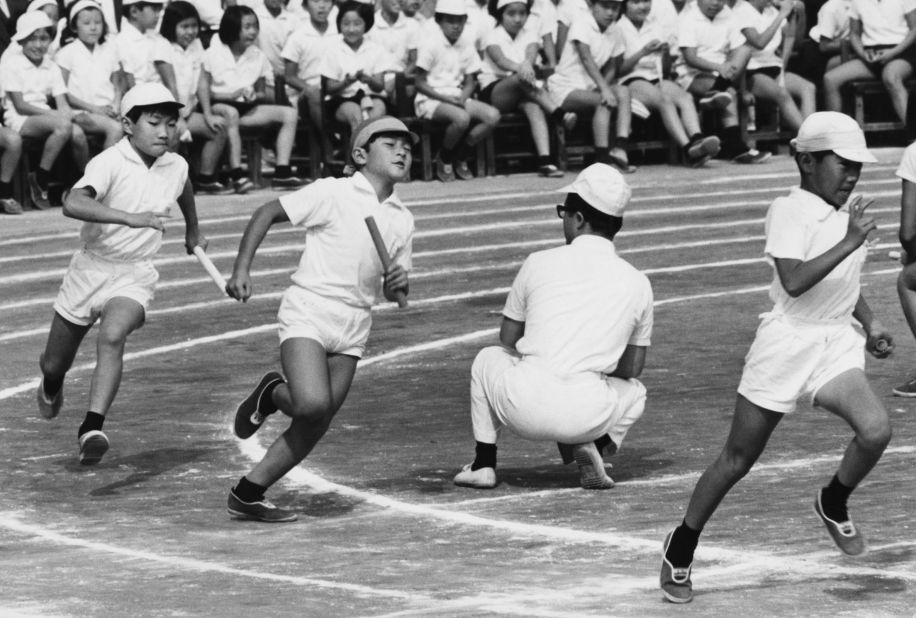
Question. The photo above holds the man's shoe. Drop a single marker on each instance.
(751, 156)
(702, 150)
(444, 171)
(550, 171)
(262, 510)
(49, 408)
(844, 533)
(675, 581)
(715, 99)
(212, 188)
(9, 206)
(242, 185)
(254, 409)
(482, 478)
(287, 182)
(463, 171)
(93, 445)
(908, 389)
(591, 467)
(39, 196)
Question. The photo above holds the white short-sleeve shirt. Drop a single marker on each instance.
(210, 11)
(340, 60)
(187, 63)
(446, 64)
(123, 181)
(140, 51)
(479, 24)
(274, 33)
(802, 226)
(90, 71)
(568, 11)
(397, 38)
(832, 21)
(746, 16)
(907, 168)
(883, 21)
(545, 16)
(35, 83)
(712, 38)
(306, 47)
(570, 73)
(579, 319)
(634, 39)
(513, 49)
(229, 74)
(340, 261)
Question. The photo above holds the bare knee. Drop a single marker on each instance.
(875, 437)
(290, 116)
(312, 408)
(111, 337)
(461, 121)
(735, 463)
(491, 117)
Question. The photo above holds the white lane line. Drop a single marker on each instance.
(11, 522)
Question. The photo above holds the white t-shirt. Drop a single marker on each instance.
(35, 83)
(634, 39)
(273, 35)
(446, 64)
(397, 38)
(187, 64)
(90, 71)
(478, 26)
(570, 73)
(580, 319)
(513, 49)
(306, 47)
(228, 75)
(121, 180)
(802, 226)
(832, 21)
(568, 11)
(883, 22)
(712, 38)
(139, 52)
(339, 261)
(340, 60)
(746, 16)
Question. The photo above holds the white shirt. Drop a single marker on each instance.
(479, 24)
(544, 16)
(139, 52)
(187, 64)
(883, 22)
(513, 49)
(712, 38)
(339, 261)
(121, 180)
(228, 75)
(634, 39)
(746, 16)
(907, 168)
(802, 226)
(35, 83)
(446, 64)
(274, 33)
(90, 71)
(210, 11)
(306, 47)
(581, 305)
(397, 38)
(832, 21)
(570, 72)
(568, 11)
(340, 60)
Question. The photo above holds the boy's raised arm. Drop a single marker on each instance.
(239, 284)
(81, 204)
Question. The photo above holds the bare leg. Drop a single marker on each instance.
(269, 115)
(54, 129)
(120, 317)
(11, 144)
(64, 341)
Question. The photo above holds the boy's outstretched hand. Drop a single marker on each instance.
(879, 343)
(860, 224)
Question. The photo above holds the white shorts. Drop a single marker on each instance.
(425, 108)
(338, 327)
(790, 360)
(91, 281)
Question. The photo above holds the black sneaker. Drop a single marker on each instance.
(702, 150)
(463, 171)
(39, 196)
(287, 182)
(262, 510)
(253, 410)
(242, 185)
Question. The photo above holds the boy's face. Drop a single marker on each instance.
(605, 12)
(833, 178)
(89, 26)
(319, 10)
(388, 156)
(148, 16)
(36, 45)
(152, 133)
(638, 9)
(248, 33)
(392, 6)
(710, 8)
(452, 26)
(274, 5)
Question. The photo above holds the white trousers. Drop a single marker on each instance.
(526, 397)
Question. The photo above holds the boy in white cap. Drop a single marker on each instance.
(325, 316)
(806, 346)
(574, 334)
(126, 193)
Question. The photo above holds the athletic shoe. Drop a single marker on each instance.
(242, 185)
(550, 171)
(752, 156)
(287, 182)
(591, 467)
(638, 109)
(49, 408)
(675, 581)
(569, 120)
(10, 206)
(262, 510)
(702, 150)
(444, 171)
(715, 99)
(908, 389)
(462, 171)
(620, 161)
(481, 478)
(253, 410)
(212, 188)
(39, 196)
(93, 444)
(844, 533)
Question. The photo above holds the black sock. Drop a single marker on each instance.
(43, 176)
(283, 171)
(603, 155)
(833, 499)
(695, 138)
(556, 116)
(246, 491)
(732, 144)
(543, 160)
(206, 178)
(447, 155)
(267, 400)
(6, 190)
(52, 387)
(621, 142)
(462, 151)
(485, 456)
(236, 173)
(605, 442)
(684, 541)
(93, 422)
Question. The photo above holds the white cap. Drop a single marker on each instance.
(81, 5)
(603, 187)
(835, 132)
(129, 2)
(29, 23)
(147, 94)
(501, 3)
(451, 7)
(37, 5)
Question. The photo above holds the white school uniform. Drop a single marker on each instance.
(339, 276)
(341, 60)
(513, 49)
(90, 71)
(746, 16)
(570, 73)
(884, 22)
(832, 21)
(712, 39)
(804, 342)
(649, 67)
(578, 322)
(35, 83)
(397, 38)
(274, 33)
(446, 66)
(229, 75)
(187, 63)
(210, 11)
(479, 24)
(568, 11)
(306, 47)
(139, 52)
(544, 19)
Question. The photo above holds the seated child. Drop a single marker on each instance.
(276, 26)
(831, 30)
(139, 44)
(397, 33)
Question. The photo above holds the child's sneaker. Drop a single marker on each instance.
(752, 156)
(242, 185)
(254, 409)
(550, 171)
(9, 206)
(262, 510)
(39, 196)
(212, 188)
(49, 408)
(444, 171)
(287, 182)
(908, 389)
(93, 445)
(702, 150)
(675, 581)
(618, 158)
(481, 478)
(715, 99)
(844, 533)
(591, 467)
(569, 120)
(463, 171)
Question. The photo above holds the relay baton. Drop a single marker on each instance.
(210, 268)
(383, 256)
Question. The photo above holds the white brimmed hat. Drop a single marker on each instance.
(501, 3)
(603, 187)
(835, 132)
(82, 5)
(451, 7)
(376, 126)
(147, 94)
(29, 23)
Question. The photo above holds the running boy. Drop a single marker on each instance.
(906, 281)
(124, 196)
(806, 346)
(325, 315)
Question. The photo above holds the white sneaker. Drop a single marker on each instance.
(482, 478)
(591, 467)
(93, 445)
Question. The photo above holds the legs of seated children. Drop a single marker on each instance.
(804, 93)
(98, 124)
(894, 74)
(484, 119)
(768, 89)
(656, 99)
(214, 142)
(79, 147)
(310, 103)
(55, 129)
(836, 78)
(589, 101)
(349, 113)
(268, 115)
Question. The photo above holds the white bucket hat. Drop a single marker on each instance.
(603, 187)
(835, 132)
(29, 23)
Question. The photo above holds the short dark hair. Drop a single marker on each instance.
(140, 6)
(230, 26)
(175, 13)
(365, 11)
(601, 223)
(498, 13)
(170, 111)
